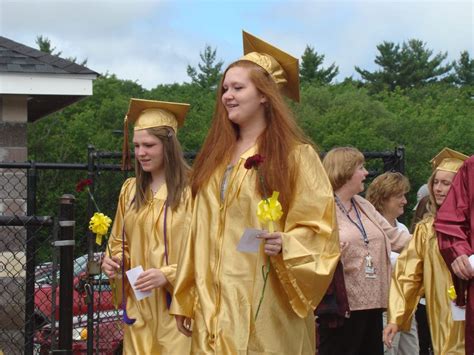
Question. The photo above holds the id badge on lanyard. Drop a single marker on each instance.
(369, 267)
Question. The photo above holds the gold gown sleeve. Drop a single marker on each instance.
(115, 247)
(181, 221)
(406, 287)
(183, 294)
(310, 240)
(115, 239)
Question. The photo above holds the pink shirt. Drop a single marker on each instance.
(362, 292)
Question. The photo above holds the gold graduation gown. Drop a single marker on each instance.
(420, 269)
(154, 331)
(228, 283)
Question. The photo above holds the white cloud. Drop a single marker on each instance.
(347, 32)
(154, 41)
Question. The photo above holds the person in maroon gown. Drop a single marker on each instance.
(455, 228)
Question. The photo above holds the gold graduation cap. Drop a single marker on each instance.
(448, 160)
(283, 67)
(144, 114)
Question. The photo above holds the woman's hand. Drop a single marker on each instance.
(150, 279)
(389, 333)
(111, 266)
(184, 325)
(462, 267)
(273, 243)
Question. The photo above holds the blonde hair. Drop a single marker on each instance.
(176, 169)
(341, 163)
(385, 186)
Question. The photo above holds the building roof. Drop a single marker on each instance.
(18, 58)
(50, 82)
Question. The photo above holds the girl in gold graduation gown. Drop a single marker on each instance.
(157, 199)
(251, 118)
(420, 270)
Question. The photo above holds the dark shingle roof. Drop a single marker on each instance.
(18, 58)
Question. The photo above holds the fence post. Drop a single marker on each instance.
(90, 249)
(66, 287)
(30, 261)
(400, 154)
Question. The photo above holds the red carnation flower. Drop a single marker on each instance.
(254, 161)
(82, 184)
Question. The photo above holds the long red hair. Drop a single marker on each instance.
(278, 139)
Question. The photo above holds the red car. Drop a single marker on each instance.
(107, 335)
(107, 320)
(47, 292)
(45, 301)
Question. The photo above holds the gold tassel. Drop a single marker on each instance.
(126, 160)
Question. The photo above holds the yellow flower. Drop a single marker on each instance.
(269, 209)
(99, 224)
(452, 293)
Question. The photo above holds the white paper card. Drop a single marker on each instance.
(471, 260)
(249, 243)
(132, 276)
(458, 313)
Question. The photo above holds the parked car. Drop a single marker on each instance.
(47, 294)
(108, 334)
(44, 272)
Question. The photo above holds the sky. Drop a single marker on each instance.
(152, 42)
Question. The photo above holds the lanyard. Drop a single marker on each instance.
(360, 225)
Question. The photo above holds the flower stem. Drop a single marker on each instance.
(265, 273)
(262, 183)
(112, 284)
(93, 199)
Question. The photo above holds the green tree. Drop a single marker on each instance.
(464, 70)
(210, 71)
(406, 66)
(311, 70)
(44, 45)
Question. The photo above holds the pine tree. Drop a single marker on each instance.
(410, 65)
(464, 70)
(44, 45)
(209, 72)
(311, 68)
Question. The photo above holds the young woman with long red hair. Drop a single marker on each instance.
(219, 286)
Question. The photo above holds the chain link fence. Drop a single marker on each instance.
(29, 267)
(18, 236)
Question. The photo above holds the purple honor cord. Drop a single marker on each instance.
(125, 317)
(168, 295)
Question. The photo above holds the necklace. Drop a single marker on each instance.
(156, 188)
(342, 207)
(358, 223)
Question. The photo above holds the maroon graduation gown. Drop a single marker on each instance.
(455, 226)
